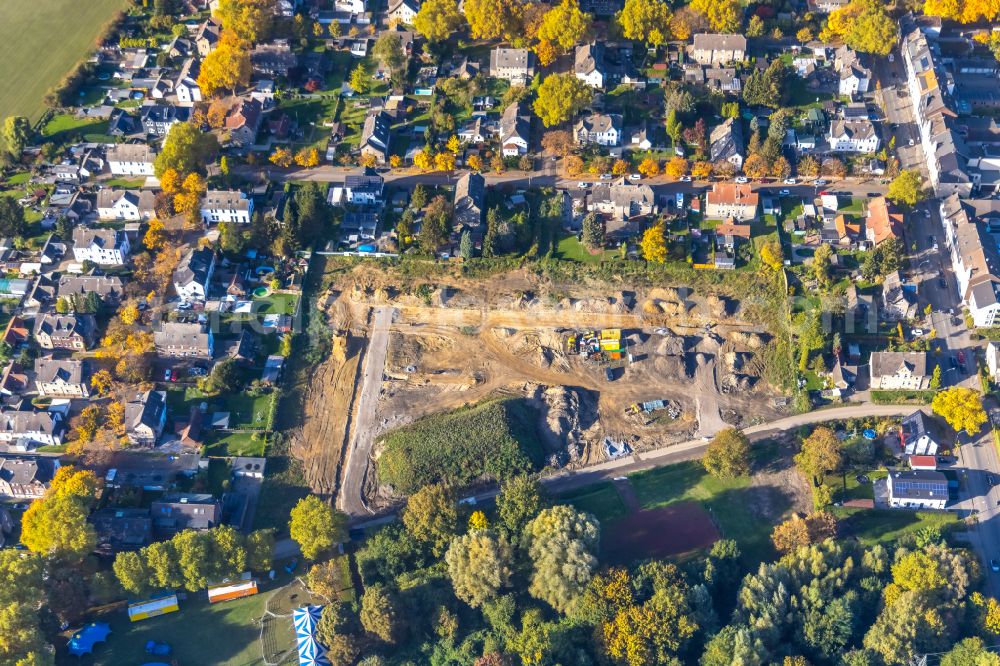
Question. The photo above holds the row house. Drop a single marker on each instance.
(598, 128)
(131, 159)
(71, 332)
(131, 205)
(230, 206)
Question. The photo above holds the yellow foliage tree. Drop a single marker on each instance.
(307, 157)
(961, 408)
(701, 170)
(654, 243)
(422, 161)
(546, 52)
(723, 16)
(565, 25)
(454, 144)
(368, 160)
(478, 521)
(102, 382)
(170, 181)
(756, 166)
(155, 237)
(444, 161)
(227, 67)
(395, 161)
(619, 168)
(649, 167)
(474, 162)
(129, 313)
(676, 167)
(281, 157)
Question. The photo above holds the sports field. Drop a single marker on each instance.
(40, 41)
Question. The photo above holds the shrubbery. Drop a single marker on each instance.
(493, 440)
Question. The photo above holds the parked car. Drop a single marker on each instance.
(742, 179)
(634, 176)
(917, 332)
(789, 181)
(822, 181)
(582, 185)
(166, 375)
(784, 193)
(961, 359)
(685, 179)
(606, 176)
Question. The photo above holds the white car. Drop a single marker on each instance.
(917, 332)
(821, 182)
(910, 142)
(606, 176)
(166, 375)
(685, 179)
(784, 193)
(742, 179)
(582, 185)
(634, 176)
(789, 181)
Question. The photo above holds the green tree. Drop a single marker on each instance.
(935, 383)
(431, 516)
(767, 87)
(961, 408)
(388, 50)
(645, 21)
(519, 501)
(12, 222)
(380, 614)
(479, 565)
(755, 28)
(970, 652)
(231, 239)
(132, 572)
(438, 19)
(316, 526)
(16, 135)
(360, 81)
(465, 247)
(260, 550)
(728, 455)
(561, 543)
(907, 188)
(823, 264)
(186, 150)
(593, 232)
(560, 97)
(908, 626)
(226, 377)
(821, 453)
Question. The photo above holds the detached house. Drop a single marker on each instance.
(726, 141)
(73, 332)
(853, 136)
(855, 76)
(514, 126)
(402, 12)
(917, 489)
(145, 416)
(108, 288)
(61, 378)
(898, 302)
(243, 122)
(131, 159)
(470, 194)
(590, 65)
(731, 200)
(157, 119)
(883, 221)
(193, 275)
(132, 205)
(514, 65)
(599, 128)
(715, 50)
(375, 136)
(175, 513)
(104, 247)
(628, 205)
(226, 206)
(894, 371)
(274, 59)
(207, 37)
(186, 84)
(364, 189)
(180, 340)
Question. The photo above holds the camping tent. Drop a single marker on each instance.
(83, 641)
(311, 653)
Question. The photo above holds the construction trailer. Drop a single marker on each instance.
(245, 586)
(154, 607)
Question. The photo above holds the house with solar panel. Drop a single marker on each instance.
(918, 489)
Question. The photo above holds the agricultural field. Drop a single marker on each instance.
(62, 30)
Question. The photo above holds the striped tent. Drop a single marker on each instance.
(311, 653)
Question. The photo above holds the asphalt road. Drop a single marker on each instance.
(349, 499)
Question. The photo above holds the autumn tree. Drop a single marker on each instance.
(780, 168)
(723, 16)
(16, 135)
(565, 25)
(359, 81)
(649, 167)
(864, 25)
(756, 166)
(728, 455)
(821, 453)
(961, 408)
(307, 157)
(57, 526)
(654, 243)
(227, 67)
(701, 170)
(380, 614)
(560, 97)
(558, 142)
(281, 156)
(963, 11)
(431, 516)
(316, 526)
(185, 150)
(437, 19)
(809, 166)
(797, 532)
(479, 566)
(422, 160)
(645, 21)
(444, 161)
(907, 188)
(676, 167)
(250, 20)
(561, 542)
(491, 19)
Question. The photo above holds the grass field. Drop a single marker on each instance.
(871, 526)
(42, 41)
(601, 500)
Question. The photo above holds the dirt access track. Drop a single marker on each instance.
(447, 348)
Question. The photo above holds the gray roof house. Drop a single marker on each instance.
(61, 378)
(72, 331)
(726, 141)
(109, 288)
(178, 339)
(183, 511)
(715, 50)
(470, 193)
(194, 273)
(145, 415)
(891, 371)
(514, 65)
(376, 135)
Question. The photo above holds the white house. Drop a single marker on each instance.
(194, 274)
(855, 77)
(226, 206)
(895, 371)
(514, 127)
(975, 257)
(993, 360)
(918, 489)
(27, 430)
(131, 159)
(104, 247)
(732, 200)
(350, 6)
(600, 128)
(853, 136)
(131, 205)
(186, 84)
(402, 11)
(364, 189)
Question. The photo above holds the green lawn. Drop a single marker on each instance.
(235, 444)
(601, 500)
(571, 249)
(125, 183)
(244, 411)
(846, 486)
(65, 127)
(872, 526)
(199, 633)
(730, 503)
(45, 39)
(277, 303)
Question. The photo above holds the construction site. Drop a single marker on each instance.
(608, 375)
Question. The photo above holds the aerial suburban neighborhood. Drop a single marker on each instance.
(500, 332)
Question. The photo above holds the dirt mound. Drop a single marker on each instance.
(406, 351)
(672, 367)
(718, 306)
(747, 339)
(671, 345)
(560, 425)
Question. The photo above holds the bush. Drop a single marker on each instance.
(494, 440)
